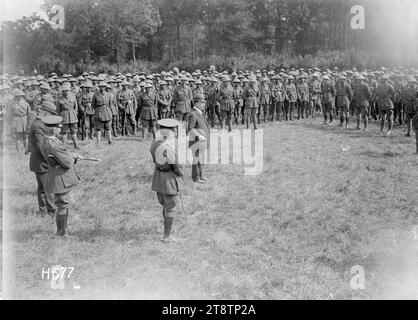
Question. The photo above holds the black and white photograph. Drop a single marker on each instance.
(209, 150)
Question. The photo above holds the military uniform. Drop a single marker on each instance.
(278, 95)
(127, 107)
(360, 102)
(411, 104)
(182, 97)
(314, 92)
(212, 105)
(303, 97)
(62, 177)
(251, 96)
(165, 180)
(328, 99)
(39, 165)
(344, 95)
(115, 113)
(265, 97)
(399, 87)
(385, 96)
(291, 95)
(85, 114)
(67, 108)
(149, 111)
(239, 102)
(225, 97)
(164, 102)
(102, 110)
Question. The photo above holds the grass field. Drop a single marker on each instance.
(326, 201)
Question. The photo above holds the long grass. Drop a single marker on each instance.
(326, 201)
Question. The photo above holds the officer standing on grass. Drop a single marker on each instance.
(167, 173)
(62, 175)
(37, 163)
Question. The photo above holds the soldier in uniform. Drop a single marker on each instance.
(149, 111)
(399, 87)
(19, 112)
(62, 174)
(237, 99)
(278, 97)
(265, 97)
(212, 104)
(303, 97)
(87, 112)
(127, 106)
(361, 98)
(411, 102)
(385, 95)
(37, 163)
(251, 95)
(199, 133)
(314, 92)
(164, 100)
(328, 97)
(344, 95)
(291, 95)
(167, 172)
(226, 99)
(67, 108)
(102, 112)
(182, 97)
(114, 109)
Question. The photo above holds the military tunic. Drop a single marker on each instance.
(19, 116)
(149, 107)
(182, 98)
(166, 175)
(226, 98)
(385, 96)
(62, 175)
(411, 99)
(67, 108)
(344, 95)
(101, 105)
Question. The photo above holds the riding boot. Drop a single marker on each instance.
(341, 121)
(99, 137)
(61, 220)
(134, 130)
(168, 224)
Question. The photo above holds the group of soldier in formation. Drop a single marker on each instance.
(41, 112)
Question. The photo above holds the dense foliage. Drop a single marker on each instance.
(112, 35)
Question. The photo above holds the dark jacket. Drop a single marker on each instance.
(37, 162)
(198, 121)
(166, 175)
(62, 172)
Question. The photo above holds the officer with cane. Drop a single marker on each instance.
(166, 180)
